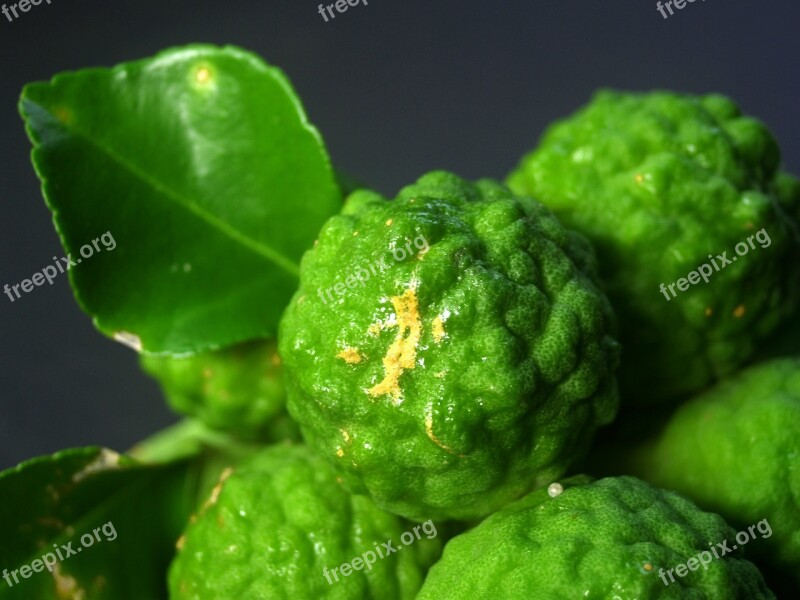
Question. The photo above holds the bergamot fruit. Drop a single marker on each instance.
(238, 389)
(282, 526)
(448, 350)
(736, 450)
(614, 538)
(691, 217)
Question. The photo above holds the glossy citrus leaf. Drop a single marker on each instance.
(88, 523)
(202, 171)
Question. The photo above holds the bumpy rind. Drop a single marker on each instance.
(658, 182)
(736, 450)
(465, 356)
(614, 538)
(238, 389)
(271, 528)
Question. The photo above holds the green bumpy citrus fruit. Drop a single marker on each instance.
(447, 350)
(686, 192)
(736, 450)
(614, 538)
(238, 389)
(282, 526)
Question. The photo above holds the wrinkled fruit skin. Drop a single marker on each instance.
(658, 182)
(736, 450)
(607, 539)
(239, 389)
(271, 527)
(474, 367)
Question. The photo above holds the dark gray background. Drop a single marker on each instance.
(397, 89)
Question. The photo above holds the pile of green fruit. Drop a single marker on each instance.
(582, 382)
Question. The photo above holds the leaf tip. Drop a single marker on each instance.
(131, 340)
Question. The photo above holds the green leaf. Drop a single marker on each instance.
(120, 520)
(201, 166)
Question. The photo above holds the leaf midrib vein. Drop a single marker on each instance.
(251, 244)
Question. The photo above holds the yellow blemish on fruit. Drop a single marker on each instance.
(402, 353)
(440, 374)
(429, 430)
(212, 500)
(389, 222)
(350, 356)
(355, 233)
(339, 452)
(647, 567)
(375, 328)
(739, 311)
(181, 541)
(639, 178)
(345, 436)
(709, 311)
(275, 359)
(438, 328)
